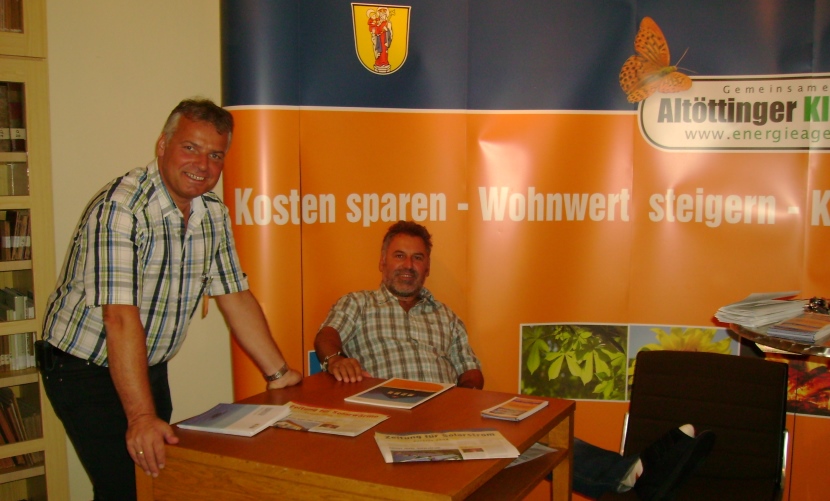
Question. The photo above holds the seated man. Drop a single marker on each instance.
(401, 330)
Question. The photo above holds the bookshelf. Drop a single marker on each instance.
(33, 448)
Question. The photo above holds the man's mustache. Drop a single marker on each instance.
(410, 271)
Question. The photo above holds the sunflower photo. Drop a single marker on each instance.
(677, 338)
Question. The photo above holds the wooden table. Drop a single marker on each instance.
(285, 464)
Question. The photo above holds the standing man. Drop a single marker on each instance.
(148, 245)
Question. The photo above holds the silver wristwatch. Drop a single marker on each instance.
(280, 373)
(324, 365)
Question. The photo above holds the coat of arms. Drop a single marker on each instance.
(381, 36)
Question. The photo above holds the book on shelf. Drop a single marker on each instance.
(444, 446)
(515, 409)
(759, 309)
(17, 351)
(331, 421)
(17, 127)
(5, 127)
(15, 304)
(236, 419)
(32, 424)
(11, 424)
(399, 393)
(20, 235)
(15, 234)
(808, 327)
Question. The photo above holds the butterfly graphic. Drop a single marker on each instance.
(649, 70)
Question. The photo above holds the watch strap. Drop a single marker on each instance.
(324, 365)
(280, 373)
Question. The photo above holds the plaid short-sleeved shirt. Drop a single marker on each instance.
(131, 248)
(427, 343)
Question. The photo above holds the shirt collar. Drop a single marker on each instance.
(168, 207)
(424, 296)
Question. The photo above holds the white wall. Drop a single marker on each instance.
(117, 68)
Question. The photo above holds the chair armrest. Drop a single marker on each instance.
(782, 485)
(624, 434)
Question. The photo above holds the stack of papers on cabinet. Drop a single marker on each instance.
(762, 309)
(808, 327)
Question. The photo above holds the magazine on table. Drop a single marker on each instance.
(236, 419)
(759, 309)
(515, 409)
(808, 327)
(399, 393)
(444, 446)
(332, 421)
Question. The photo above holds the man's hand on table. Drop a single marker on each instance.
(146, 438)
(346, 369)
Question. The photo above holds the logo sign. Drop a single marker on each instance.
(381, 36)
(780, 112)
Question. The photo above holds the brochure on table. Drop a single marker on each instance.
(332, 421)
(236, 419)
(399, 393)
(444, 446)
(515, 409)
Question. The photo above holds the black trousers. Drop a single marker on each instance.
(84, 398)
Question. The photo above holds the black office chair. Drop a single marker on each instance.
(742, 400)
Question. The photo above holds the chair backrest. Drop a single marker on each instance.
(742, 399)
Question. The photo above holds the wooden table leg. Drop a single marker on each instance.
(561, 437)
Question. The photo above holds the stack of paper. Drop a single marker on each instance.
(331, 421)
(808, 327)
(237, 419)
(762, 309)
(444, 446)
(515, 409)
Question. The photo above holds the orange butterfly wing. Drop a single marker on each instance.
(649, 70)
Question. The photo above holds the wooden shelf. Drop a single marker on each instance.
(13, 157)
(16, 265)
(25, 447)
(15, 202)
(22, 60)
(32, 41)
(16, 326)
(17, 378)
(21, 472)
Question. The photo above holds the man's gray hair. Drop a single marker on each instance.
(199, 110)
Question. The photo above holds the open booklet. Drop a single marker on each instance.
(444, 446)
(400, 393)
(515, 409)
(236, 419)
(332, 421)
